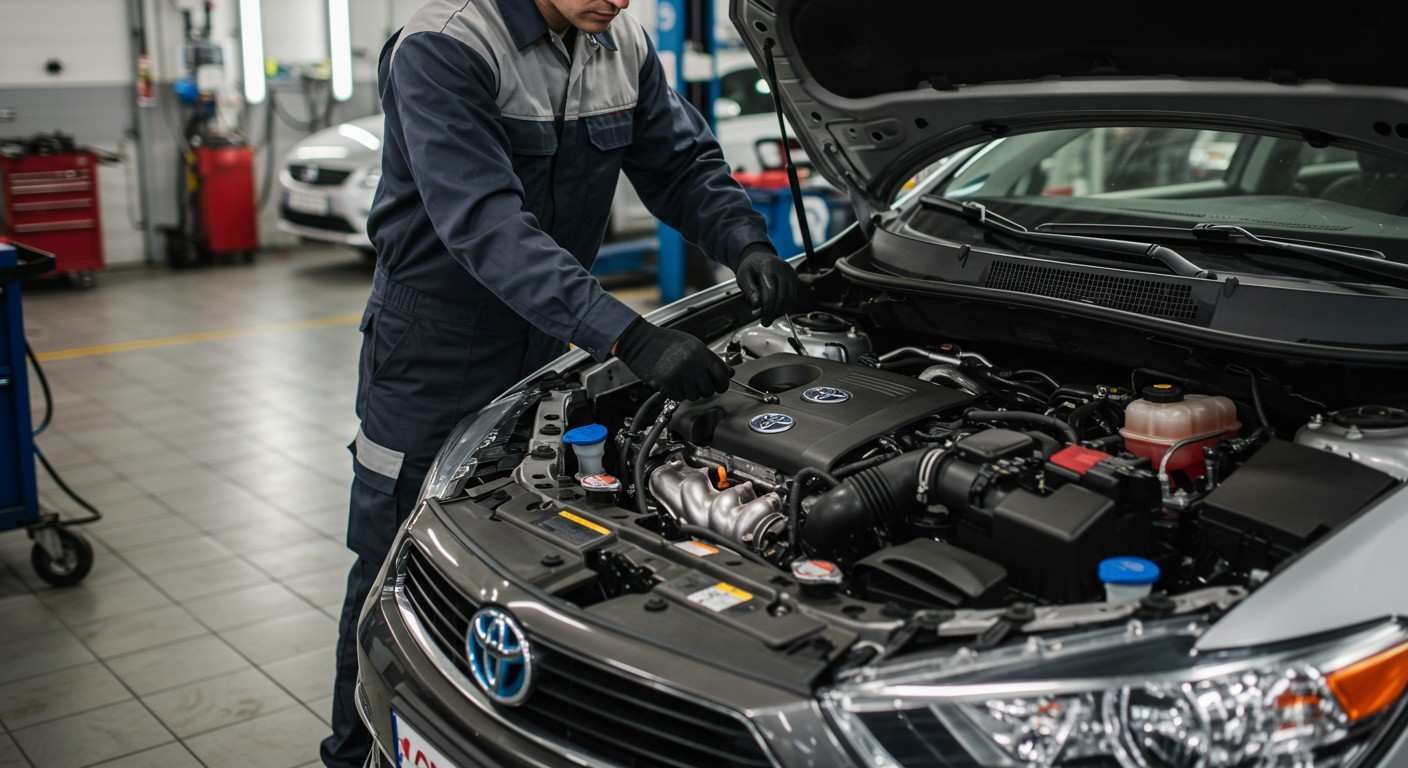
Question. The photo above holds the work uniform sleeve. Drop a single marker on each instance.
(679, 170)
(461, 160)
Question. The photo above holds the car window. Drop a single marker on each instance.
(749, 90)
(1178, 164)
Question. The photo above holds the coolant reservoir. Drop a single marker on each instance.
(1164, 416)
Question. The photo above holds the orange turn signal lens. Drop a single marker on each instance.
(1370, 686)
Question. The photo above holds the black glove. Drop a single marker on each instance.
(673, 362)
(770, 284)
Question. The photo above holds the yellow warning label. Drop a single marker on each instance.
(720, 597)
(582, 521)
(724, 586)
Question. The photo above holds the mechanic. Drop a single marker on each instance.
(508, 123)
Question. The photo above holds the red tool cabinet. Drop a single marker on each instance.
(51, 203)
(227, 193)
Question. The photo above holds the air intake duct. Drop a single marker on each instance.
(875, 495)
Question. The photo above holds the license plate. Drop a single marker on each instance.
(412, 750)
(308, 202)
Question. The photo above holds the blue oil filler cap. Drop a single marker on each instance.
(591, 434)
(1130, 571)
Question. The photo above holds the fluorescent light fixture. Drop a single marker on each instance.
(252, 51)
(340, 49)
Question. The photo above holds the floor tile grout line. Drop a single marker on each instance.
(107, 760)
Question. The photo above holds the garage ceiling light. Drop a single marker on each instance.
(340, 49)
(252, 51)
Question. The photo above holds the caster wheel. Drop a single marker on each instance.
(248, 257)
(84, 280)
(71, 568)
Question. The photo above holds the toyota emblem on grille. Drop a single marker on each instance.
(500, 658)
(308, 174)
(826, 395)
(771, 423)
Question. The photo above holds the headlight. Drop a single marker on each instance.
(459, 456)
(1140, 697)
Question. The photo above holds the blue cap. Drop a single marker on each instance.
(1128, 570)
(591, 434)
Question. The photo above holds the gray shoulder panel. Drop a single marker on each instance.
(475, 23)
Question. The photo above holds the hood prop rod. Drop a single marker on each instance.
(787, 159)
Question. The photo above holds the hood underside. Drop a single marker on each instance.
(877, 90)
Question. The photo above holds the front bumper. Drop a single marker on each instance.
(345, 220)
(402, 667)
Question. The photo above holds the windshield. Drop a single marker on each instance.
(1182, 177)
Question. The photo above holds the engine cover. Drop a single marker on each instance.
(825, 410)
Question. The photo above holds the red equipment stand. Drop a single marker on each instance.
(229, 219)
(51, 203)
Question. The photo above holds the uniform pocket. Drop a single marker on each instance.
(389, 331)
(612, 130)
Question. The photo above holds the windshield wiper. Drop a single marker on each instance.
(982, 216)
(1362, 260)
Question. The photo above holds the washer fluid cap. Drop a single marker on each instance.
(1128, 570)
(591, 434)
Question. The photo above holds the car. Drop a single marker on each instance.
(1085, 450)
(329, 179)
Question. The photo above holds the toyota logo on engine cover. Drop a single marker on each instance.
(500, 659)
(826, 395)
(771, 423)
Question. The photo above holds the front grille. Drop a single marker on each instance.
(1157, 298)
(602, 712)
(329, 223)
(318, 177)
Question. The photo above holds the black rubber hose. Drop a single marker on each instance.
(1028, 418)
(846, 470)
(638, 471)
(700, 532)
(794, 503)
(93, 514)
(1016, 386)
(875, 496)
(43, 386)
(650, 404)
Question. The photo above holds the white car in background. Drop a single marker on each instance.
(328, 179)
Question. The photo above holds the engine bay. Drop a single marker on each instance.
(928, 480)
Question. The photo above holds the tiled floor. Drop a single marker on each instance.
(216, 452)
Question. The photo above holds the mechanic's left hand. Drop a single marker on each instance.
(770, 284)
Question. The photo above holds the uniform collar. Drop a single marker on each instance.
(526, 25)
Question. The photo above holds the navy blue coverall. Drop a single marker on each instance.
(502, 152)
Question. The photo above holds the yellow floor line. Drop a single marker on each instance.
(351, 318)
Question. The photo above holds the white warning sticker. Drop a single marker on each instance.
(697, 548)
(720, 597)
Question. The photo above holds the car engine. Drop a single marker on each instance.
(925, 476)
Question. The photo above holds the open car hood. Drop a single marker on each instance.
(878, 89)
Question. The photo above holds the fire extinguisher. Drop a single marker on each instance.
(146, 81)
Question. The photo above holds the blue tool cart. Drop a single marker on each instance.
(61, 557)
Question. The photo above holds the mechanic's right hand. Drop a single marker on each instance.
(678, 364)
